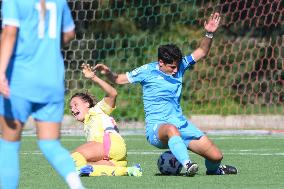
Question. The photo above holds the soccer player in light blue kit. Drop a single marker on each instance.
(32, 83)
(166, 126)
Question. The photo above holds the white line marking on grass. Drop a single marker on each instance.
(256, 154)
(253, 150)
(157, 152)
(31, 152)
(82, 138)
(73, 139)
(247, 138)
(242, 154)
(62, 140)
(224, 138)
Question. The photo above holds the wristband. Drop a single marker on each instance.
(209, 35)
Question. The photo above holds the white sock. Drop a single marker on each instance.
(185, 162)
(74, 181)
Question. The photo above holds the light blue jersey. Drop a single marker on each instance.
(30, 75)
(161, 92)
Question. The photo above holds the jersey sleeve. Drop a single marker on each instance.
(187, 61)
(10, 13)
(107, 109)
(67, 22)
(138, 75)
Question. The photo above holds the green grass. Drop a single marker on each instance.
(258, 158)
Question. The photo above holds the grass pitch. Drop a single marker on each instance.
(260, 160)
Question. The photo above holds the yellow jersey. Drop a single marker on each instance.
(98, 121)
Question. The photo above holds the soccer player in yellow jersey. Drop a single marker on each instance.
(105, 150)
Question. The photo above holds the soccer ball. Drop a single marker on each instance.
(168, 164)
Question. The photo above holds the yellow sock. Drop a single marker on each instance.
(107, 170)
(78, 159)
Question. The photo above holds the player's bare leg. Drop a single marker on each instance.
(92, 151)
(48, 134)
(213, 156)
(170, 135)
(11, 129)
(206, 148)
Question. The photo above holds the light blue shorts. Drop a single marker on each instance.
(188, 132)
(18, 108)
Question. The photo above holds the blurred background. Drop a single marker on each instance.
(240, 84)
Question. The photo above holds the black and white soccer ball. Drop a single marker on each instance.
(168, 164)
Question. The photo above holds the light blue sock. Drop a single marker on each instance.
(179, 149)
(9, 164)
(57, 156)
(212, 167)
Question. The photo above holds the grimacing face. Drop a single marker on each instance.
(79, 108)
(169, 69)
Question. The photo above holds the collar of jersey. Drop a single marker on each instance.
(163, 73)
(90, 113)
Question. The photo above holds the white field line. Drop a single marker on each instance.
(248, 152)
(242, 152)
(212, 138)
(144, 139)
(247, 138)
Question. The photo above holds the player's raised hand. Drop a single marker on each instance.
(88, 71)
(103, 69)
(4, 87)
(212, 24)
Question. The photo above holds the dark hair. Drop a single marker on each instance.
(86, 98)
(169, 53)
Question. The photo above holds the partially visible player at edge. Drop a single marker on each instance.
(32, 84)
(104, 153)
(166, 126)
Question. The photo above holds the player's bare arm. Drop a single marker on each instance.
(8, 38)
(111, 92)
(210, 26)
(113, 77)
(67, 37)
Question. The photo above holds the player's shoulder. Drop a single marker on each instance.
(93, 111)
(152, 65)
(146, 67)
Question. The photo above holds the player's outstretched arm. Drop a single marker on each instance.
(8, 38)
(111, 93)
(210, 26)
(113, 77)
